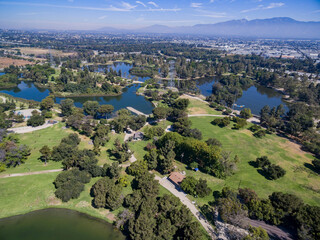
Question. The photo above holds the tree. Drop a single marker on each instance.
(257, 233)
(142, 228)
(91, 108)
(104, 110)
(246, 113)
(114, 170)
(36, 119)
(160, 112)
(189, 185)
(152, 159)
(66, 107)
(316, 164)
(47, 103)
(70, 184)
(45, 153)
(202, 188)
(214, 142)
(181, 104)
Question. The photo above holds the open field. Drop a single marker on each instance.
(298, 180)
(6, 62)
(42, 51)
(199, 107)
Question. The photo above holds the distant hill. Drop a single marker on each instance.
(280, 27)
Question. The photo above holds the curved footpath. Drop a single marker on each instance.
(252, 120)
(31, 129)
(30, 173)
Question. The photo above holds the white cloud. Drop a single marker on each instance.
(128, 6)
(141, 3)
(102, 17)
(125, 7)
(262, 7)
(274, 5)
(196, 5)
(154, 4)
(211, 1)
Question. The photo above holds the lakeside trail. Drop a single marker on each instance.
(30, 173)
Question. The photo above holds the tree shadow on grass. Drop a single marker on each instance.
(311, 167)
(253, 164)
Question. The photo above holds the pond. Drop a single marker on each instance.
(57, 224)
(254, 97)
(124, 68)
(128, 98)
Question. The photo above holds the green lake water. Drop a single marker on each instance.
(57, 224)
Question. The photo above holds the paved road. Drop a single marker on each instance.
(182, 196)
(30, 173)
(30, 129)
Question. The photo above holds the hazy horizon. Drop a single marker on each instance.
(92, 15)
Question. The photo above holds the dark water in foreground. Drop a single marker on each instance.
(57, 224)
(254, 97)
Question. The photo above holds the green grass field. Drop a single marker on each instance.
(50, 136)
(199, 107)
(298, 180)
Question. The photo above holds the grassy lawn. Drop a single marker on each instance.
(20, 195)
(198, 107)
(50, 136)
(298, 180)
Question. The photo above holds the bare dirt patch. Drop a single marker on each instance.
(6, 62)
(42, 51)
(197, 110)
(83, 204)
(53, 201)
(293, 148)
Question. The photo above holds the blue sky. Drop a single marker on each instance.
(94, 14)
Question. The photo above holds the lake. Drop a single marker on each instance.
(57, 224)
(128, 98)
(124, 68)
(255, 97)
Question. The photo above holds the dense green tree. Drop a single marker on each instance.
(45, 153)
(66, 107)
(47, 103)
(104, 110)
(160, 112)
(246, 113)
(91, 107)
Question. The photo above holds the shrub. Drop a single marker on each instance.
(274, 172)
(255, 128)
(259, 134)
(221, 122)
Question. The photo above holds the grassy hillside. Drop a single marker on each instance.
(298, 180)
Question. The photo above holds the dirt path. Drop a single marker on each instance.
(30, 129)
(182, 196)
(30, 173)
(254, 120)
(272, 230)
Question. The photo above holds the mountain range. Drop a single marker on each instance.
(280, 27)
